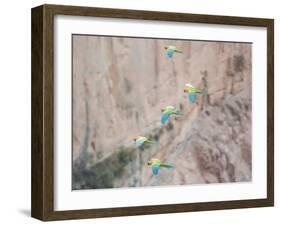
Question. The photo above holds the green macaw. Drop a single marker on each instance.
(167, 112)
(140, 140)
(170, 50)
(156, 164)
(193, 92)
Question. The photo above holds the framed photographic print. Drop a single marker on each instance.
(141, 112)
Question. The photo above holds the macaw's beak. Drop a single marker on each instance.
(149, 163)
(185, 90)
(162, 110)
(166, 47)
(135, 139)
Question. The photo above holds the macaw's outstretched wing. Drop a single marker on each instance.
(178, 51)
(164, 118)
(155, 168)
(170, 52)
(149, 141)
(176, 113)
(192, 97)
(166, 165)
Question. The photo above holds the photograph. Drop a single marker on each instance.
(160, 112)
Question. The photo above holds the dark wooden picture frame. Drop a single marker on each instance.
(42, 203)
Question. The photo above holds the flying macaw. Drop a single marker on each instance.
(156, 164)
(167, 112)
(142, 140)
(193, 92)
(170, 50)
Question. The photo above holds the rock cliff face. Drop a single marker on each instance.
(119, 87)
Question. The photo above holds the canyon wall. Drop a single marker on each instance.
(119, 88)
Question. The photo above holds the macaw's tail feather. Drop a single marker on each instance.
(163, 126)
(166, 165)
